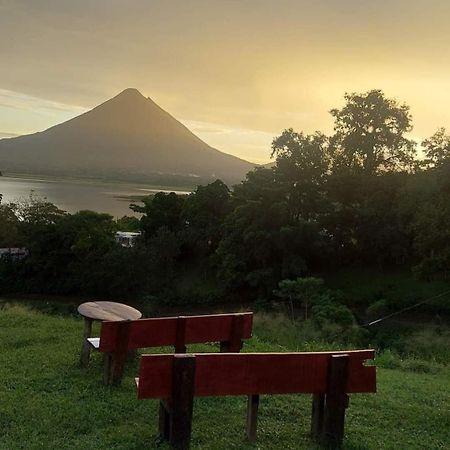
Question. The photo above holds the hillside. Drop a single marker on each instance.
(128, 137)
(41, 382)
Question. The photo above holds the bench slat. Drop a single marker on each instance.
(218, 374)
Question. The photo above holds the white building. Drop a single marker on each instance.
(127, 238)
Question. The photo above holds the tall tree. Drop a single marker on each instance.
(301, 168)
(370, 134)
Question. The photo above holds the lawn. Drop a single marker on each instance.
(48, 402)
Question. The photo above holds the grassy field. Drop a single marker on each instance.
(48, 402)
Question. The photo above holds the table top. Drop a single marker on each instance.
(108, 311)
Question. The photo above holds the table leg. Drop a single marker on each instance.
(86, 347)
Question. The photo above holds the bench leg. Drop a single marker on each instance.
(86, 348)
(107, 364)
(336, 401)
(318, 405)
(119, 356)
(252, 417)
(183, 378)
(118, 361)
(164, 421)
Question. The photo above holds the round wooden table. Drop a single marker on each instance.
(102, 311)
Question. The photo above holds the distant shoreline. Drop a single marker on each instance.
(147, 187)
(76, 194)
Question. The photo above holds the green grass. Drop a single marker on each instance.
(48, 402)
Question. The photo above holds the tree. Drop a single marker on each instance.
(302, 165)
(160, 210)
(431, 226)
(274, 231)
(163, 249)
(128, 223)
(301, 156)
(369, 134)
(204, 212)
(300, 290)
(36, 211)
(437, 149)
(9, 225)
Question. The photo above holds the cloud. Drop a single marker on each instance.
(252, 145)
(223, 65)
(18, 100)
(204, 127)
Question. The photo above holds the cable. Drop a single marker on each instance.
(407, 308)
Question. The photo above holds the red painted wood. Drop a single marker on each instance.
(256, 373)
(160, 332)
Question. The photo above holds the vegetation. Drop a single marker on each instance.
(49, 402)
(341, 231)
(359, 197)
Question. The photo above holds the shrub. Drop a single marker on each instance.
(430, 344)
(421, 366)
(389, 360)
(304, 291)
(330, 311)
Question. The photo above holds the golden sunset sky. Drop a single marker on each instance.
(236, 72)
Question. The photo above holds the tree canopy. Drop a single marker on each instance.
(369, 134)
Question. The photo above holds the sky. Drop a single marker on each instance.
(236, 72)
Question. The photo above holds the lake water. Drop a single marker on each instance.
(74, 196)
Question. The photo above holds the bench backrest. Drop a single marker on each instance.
(176, 331)
(218, 374)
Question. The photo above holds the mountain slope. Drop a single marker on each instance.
(127, 137)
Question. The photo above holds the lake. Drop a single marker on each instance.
(76, 195)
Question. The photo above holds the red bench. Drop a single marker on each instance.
(329, 376)
(119, 337)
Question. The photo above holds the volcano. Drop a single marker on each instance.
(128, 137)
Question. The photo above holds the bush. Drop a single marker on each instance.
(392, 360)
(421, 366)
(305, 335)
(332, 312)
(389, 360)
(430, 344)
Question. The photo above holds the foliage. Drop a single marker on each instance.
(160, 210)
(437, 149)
(128, 223)
(370, 134)
(329, 310)
(302, 165)
(302, 290)
(9, 225)
(431, 229)
(353, 198)
(204, 212)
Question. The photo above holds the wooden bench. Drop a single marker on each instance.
(329, 376)
(117, 338)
